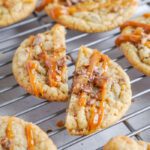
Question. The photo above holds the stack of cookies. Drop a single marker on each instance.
(101, 91)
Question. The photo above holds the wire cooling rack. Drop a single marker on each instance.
(15, 101)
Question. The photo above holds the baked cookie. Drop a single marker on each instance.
(101, 93)
(90, 15)
(134, 41)
(126, 143)
(16, 134)
(12, 11)
(39, 65)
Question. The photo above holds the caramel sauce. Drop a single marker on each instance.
(30, 67)
(91, 123)
(146, 27)
(100, 113)
(9, 132)
(30, 138)
(134, 37)
(128, 38)
(84, 6)
(96, 58)
(52, 65)
(147, 15)
(58, 11)
(82, 100)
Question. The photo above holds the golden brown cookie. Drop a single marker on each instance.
(12, 11)
(126, 143)
(90, 15)
(16, 134)
(101, 93)
(134, 42)
(39, 65)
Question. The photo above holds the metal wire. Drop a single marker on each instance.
(71, 52)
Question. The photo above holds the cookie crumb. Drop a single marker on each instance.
(60, 124)
(49, 130)
(5, 143)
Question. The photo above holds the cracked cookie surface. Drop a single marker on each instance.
(12, 11)
(39, 65)
(101, 93)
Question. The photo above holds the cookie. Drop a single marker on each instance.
(39, 65)
(90, 15)
(126, 143)
(101, 93)
(134, 42)
(17, 134)
(12, 11)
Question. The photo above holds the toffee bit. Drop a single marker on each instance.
(91, 102)
(58, 71)
(60, 124)
(121, 80)
(61, 62)
(78, 82)
(80, 72)
(86, 88)
(38, 40)
(94, 95)
(147, 15)
(6, 143)
(99, 80)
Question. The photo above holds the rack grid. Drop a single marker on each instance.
(15, 101)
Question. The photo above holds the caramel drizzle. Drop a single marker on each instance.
(128, 38)
(94, 60)
(102, 90)
(30, 137)
(51, 66)
(134, 24)
(84, 6)
(29, 134)
(147, 15)
(9, 132)
(31, 66)
(134, 37)
(79, 7)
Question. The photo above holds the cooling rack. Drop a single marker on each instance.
(15, 101)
